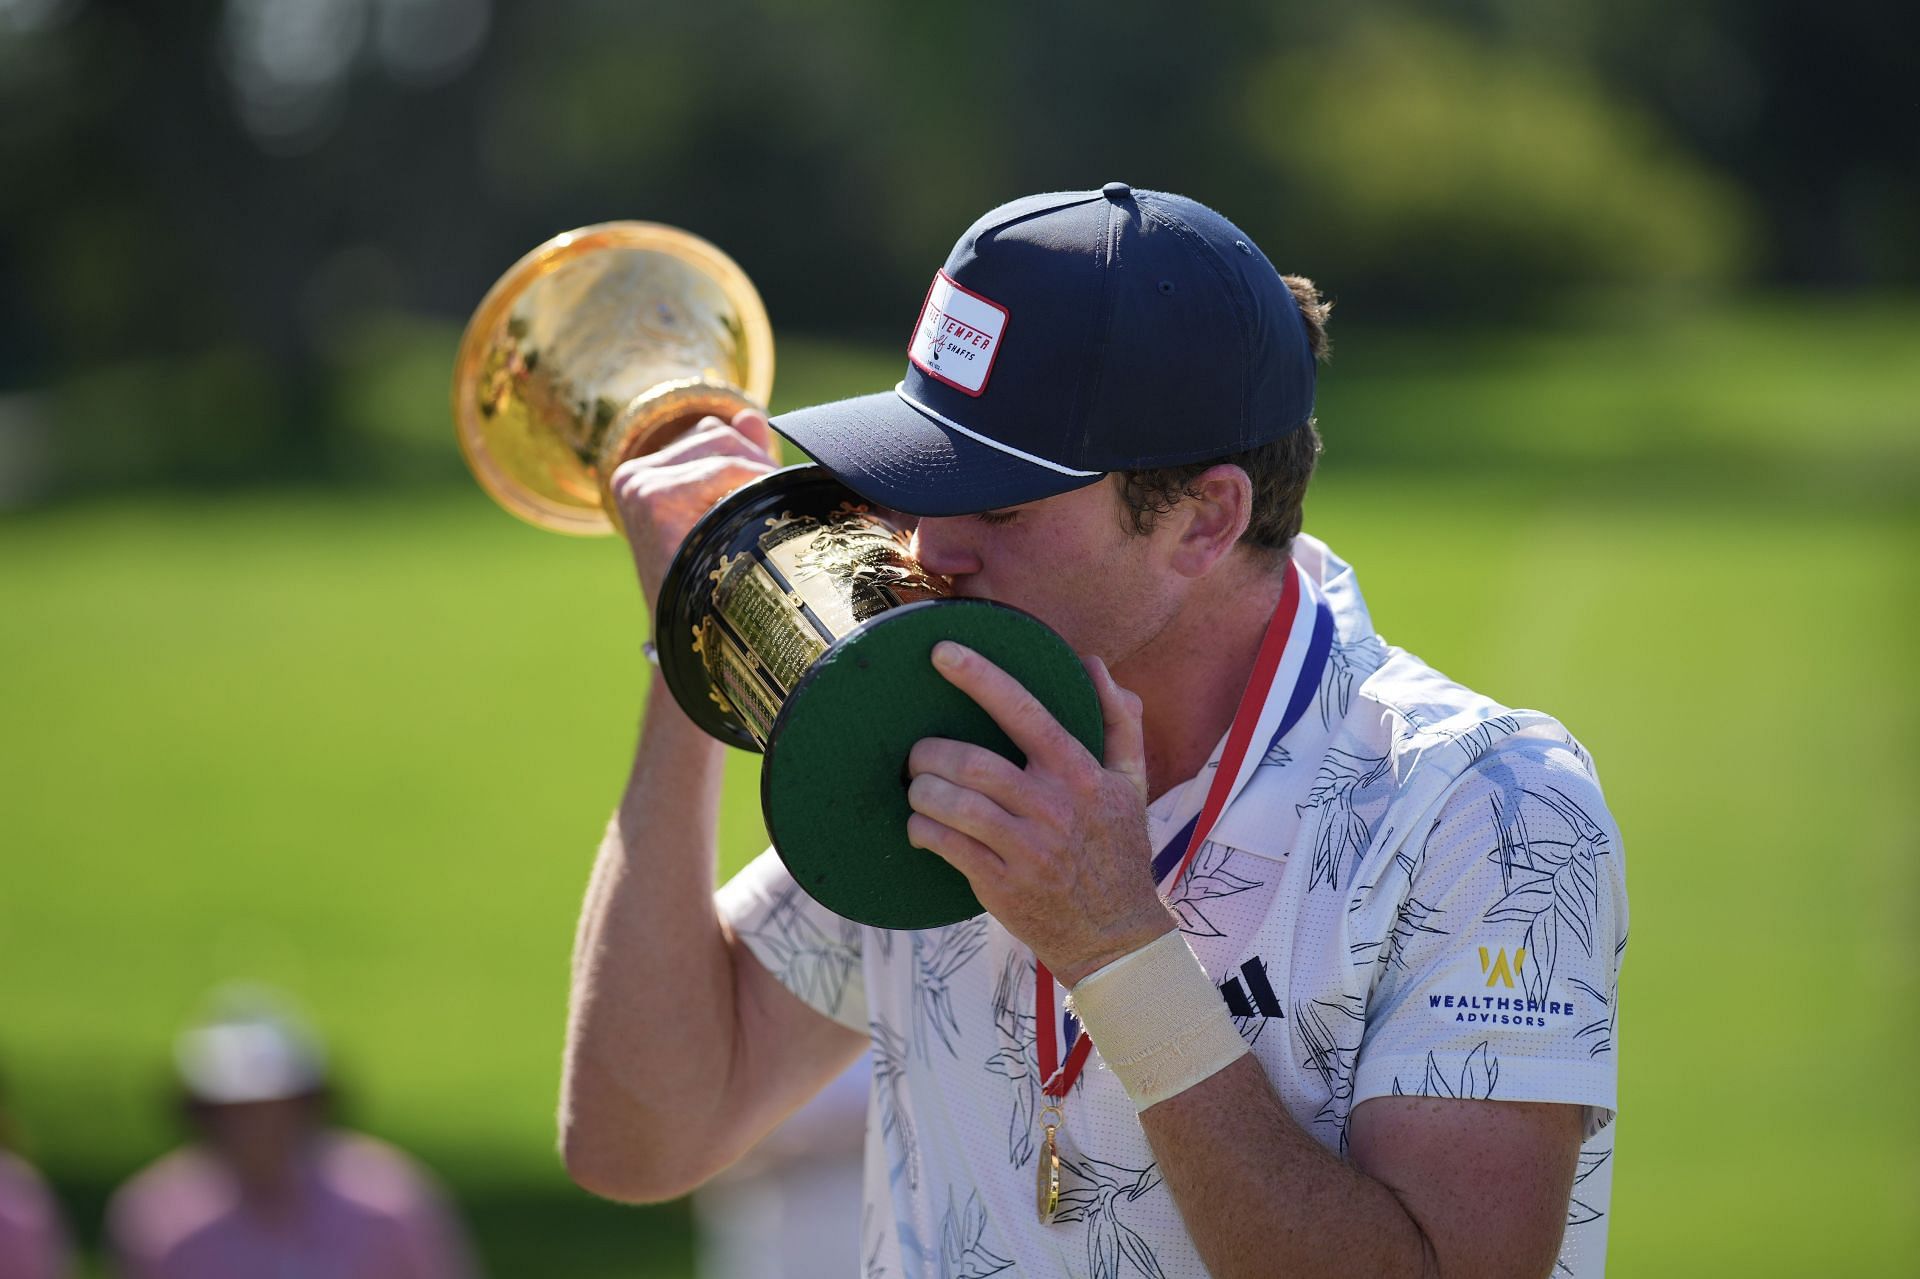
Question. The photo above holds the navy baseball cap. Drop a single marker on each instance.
(1069, 335)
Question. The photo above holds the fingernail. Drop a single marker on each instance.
(947, 655)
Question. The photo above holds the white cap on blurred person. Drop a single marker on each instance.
(250, 1047)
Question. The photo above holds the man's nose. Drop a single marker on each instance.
(942, 546)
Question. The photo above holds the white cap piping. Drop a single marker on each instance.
(900, 389)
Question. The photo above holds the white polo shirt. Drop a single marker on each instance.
(1419, 892)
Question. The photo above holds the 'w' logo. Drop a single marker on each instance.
(1497, 971)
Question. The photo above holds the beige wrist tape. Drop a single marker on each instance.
(1158, 1021)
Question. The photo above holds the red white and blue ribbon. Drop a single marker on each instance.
(1286, 673)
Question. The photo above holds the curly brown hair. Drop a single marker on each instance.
(1279, 469)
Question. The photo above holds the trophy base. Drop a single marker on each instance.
(834, 787)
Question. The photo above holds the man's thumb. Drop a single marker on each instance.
(1126, 750)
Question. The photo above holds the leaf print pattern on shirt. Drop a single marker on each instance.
(1474, 1081)
(1580, 756)
(1097, 1194)
(1342, 832)
(963, 1252)
(1551, 880)
(808, 960)
(938, 954)
(1329, 1033)
(1250, 1028)
(896, 1116)
(1015, 1059)
(874, 1237)
(1207, 880)
(1579, 1214)
(1598, 1033)
(1336, 685)
(1413, 917)
(1483, 736)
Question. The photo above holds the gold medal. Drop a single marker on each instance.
(1047, 1181)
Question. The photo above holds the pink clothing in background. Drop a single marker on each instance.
(33, 1244)
(364, 1211)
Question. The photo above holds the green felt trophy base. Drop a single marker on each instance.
(834, 789)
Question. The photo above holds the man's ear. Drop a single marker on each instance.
(1209, 521)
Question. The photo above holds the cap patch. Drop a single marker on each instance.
(958, 336)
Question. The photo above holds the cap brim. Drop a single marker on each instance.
(892, 454)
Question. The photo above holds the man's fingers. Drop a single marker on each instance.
(759, 432)
(1126, 749)
(704, 480)
(980, 864)
(1018, 713)
(959, 809)
(974, 767)
(709, 437)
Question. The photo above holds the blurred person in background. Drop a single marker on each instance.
(33, 1239)
(270, 1188)
(791, 1208)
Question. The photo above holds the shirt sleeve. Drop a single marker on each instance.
(134, 1244)
(33, 1241)
(1502, 973)
(430, 1241)
(813, 952)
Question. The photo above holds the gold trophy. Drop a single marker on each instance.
(794, 619)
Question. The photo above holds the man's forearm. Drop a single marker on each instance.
(1431, 1186)
(650, 955)
(1261, 1197)
(671, 797)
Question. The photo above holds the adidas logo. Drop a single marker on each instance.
(1255, 998)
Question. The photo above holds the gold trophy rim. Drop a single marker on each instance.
(596, 519)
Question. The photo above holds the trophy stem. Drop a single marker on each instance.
(664, 414)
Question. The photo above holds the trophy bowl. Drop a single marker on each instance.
(602, 344)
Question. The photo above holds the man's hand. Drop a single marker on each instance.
(1057, 851)
(661, 495)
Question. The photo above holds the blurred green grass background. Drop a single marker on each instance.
(362, 743)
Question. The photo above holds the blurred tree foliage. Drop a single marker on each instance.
(234, 232)
(1469, 174)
